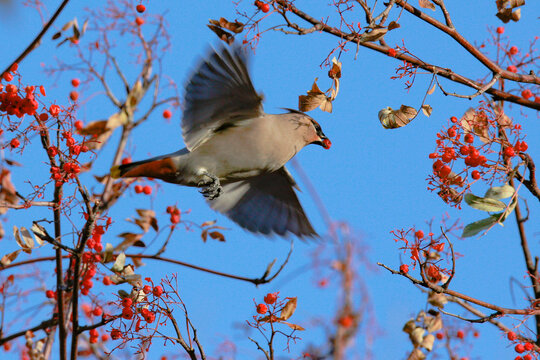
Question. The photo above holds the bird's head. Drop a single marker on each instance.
(312, 132)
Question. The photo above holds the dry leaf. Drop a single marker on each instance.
(393, 119)
(436, 299)
(216, 235)
(335, 71)
(293, 326)
(426, 4)
(222, 34)
(428, 341)
(24, 239)
(314, 98)
(427, 110)
(409, 326)
(119, 263)
(375, 34)
(208, 223)
(476, 123)
(393, 25)
(432, 89)
(7, 192)
(288, 309)
(417, 336)
(236, 26)
(506, 10)
(7, 259)
(130, 239)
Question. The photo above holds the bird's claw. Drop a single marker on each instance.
(210, 189)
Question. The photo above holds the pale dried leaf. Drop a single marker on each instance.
(426, 4)
(119, 263)
(293, 326)
(434, 323)
(208, 223)
(393, 119)
(288, 309)
(68, 25)
(416, 354)
(476, 123)
(40, 233)
(437, 299)
(130, 239)
(22, 242)
(432, 90)
(222, 34)
(8, 258)
(417, 336)
(135, 95)
(427, 110)
(428, 341)
(236, 26)
(409, 326)
(108, 253)
(116, 120)
(374, 34)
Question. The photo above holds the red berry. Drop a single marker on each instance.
(157, 291)
(433, 155)
(49, 294)
(514, 50)
(138, 189)
(175, 218)
(170, 209)
(264, 7)
(147, 289)
(75, 82)
(451, 132)
(469, 138)
(527, 357)
(97, 311)
(15, 143)
(475, 174)
(140, 8)
(262, 309)
(519, 348)
(7, 346)
(42, 90)
(54, 110)
(537, 99)
(167, 114)
(529, 346)
(445, 171)
(460, 334)
(74, 95)
(526, 93)
(127, 313)
(270, 298)
(116, 334)
(14, 67)
(464, 150)
(511, 336)
(8, 77)
(107, 281)
(440, 336)
(127, 302)
(454, 119)
(126, 161)
(404, 268)
(509, 152)
(392, 52)
(346, 321)
(94, 333)
(512, 68)
(139, 21)
(447, 157)
(147, 189)
(78, 124)
(419, 234)
(524, 146)
(500, 30)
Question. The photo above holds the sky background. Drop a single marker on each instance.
(372, 179)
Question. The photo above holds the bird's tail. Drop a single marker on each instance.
(160, 167)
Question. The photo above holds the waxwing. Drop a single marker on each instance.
(235, 152)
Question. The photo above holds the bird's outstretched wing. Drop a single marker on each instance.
(218, 95)
(265, 204)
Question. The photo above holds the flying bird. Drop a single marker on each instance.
(235, 152)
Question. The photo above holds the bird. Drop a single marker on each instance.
(235, 152)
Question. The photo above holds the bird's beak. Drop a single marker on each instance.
(324, 142)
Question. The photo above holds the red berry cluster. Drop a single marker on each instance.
(175, 214)
(520, 347)
(10, 100)
(457, 159)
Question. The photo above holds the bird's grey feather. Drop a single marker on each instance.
(220, 94)
(265, 204)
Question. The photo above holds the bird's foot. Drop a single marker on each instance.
(210, 189)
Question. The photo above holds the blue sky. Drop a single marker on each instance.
(373, 179)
